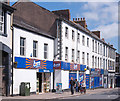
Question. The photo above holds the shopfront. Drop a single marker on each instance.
(96, 78)
(64, 71)
(38, 72)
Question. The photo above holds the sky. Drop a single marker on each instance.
(102, 16)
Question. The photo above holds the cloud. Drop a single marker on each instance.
(108, 31)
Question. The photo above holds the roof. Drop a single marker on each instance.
(7, 7)
(34, 18)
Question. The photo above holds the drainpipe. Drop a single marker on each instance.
(55, 55)
(12, 49)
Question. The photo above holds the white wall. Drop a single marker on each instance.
(30, 37)
(65, 79)
(24, 75)
(68, 42)
(7, 40)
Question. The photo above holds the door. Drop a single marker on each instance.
(39, 76)
(111, 83)
(74, 75)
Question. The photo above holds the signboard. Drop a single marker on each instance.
(68, 66)
(82, 67)
(74, 75)
(81, 78)
(58, 87)
(95, 72)
(87, 81)
(56, 64)
(92, 82)
(29, 63)
(45, 71)
(100, 80)
(110, 68)
(102, 71)
(74, 66)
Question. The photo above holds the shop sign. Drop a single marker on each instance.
(58, 87)
(81, 78)
(45, 71)
(102, 71)
(30, 63)
(74, 66)
(82, 67)
(92, 82)
(95, 72)
(105, 72)
(87, 81)
(56, 64)
(110, 68)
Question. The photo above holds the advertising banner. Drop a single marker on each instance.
(74, 75)
(92, 82)
(87, 81)
(30, 63)
(81, 78)
(100, 80)
(58, 87)
(74, 66)
(56, 64)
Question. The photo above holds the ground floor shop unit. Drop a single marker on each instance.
(5, 69)
(96, 78)
(64, 71)
(39, 73)
(111, 79)
(117, 80)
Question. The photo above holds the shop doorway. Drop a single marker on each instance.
(39, 83)
(111, 83)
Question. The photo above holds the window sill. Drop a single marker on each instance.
(3, 34)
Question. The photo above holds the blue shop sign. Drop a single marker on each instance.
(45, 71)
(102, 71)
(29, 63)
(82, 67)
(65, 65)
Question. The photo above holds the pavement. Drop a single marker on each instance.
(63, 95)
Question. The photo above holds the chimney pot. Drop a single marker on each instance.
(83, 18)
(76, 19)
(73, 19)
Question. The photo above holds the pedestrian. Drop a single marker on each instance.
(76, 85)
(72, 83)
(84, 88)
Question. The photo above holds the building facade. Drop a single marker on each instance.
(33, 47)
(77, 45)
(49, 48)
(117, 70)
(5, 48)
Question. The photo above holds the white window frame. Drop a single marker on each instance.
(35, 49)
(73, 52)
(83, 57)
(73, 35)
(87, 42)
(88, 59)
(66, 53)
(66, 32)
(45, 51)
(83, 40)
(24, 46)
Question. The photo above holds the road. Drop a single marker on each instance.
(104, 95)
(100, 94)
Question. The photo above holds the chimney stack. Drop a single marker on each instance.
(81, 22)
(111, 45)
(103, 39)
(97, 33)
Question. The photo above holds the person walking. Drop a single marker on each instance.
(72, 83)
(76, 85)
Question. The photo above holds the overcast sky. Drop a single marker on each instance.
(102, 16)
